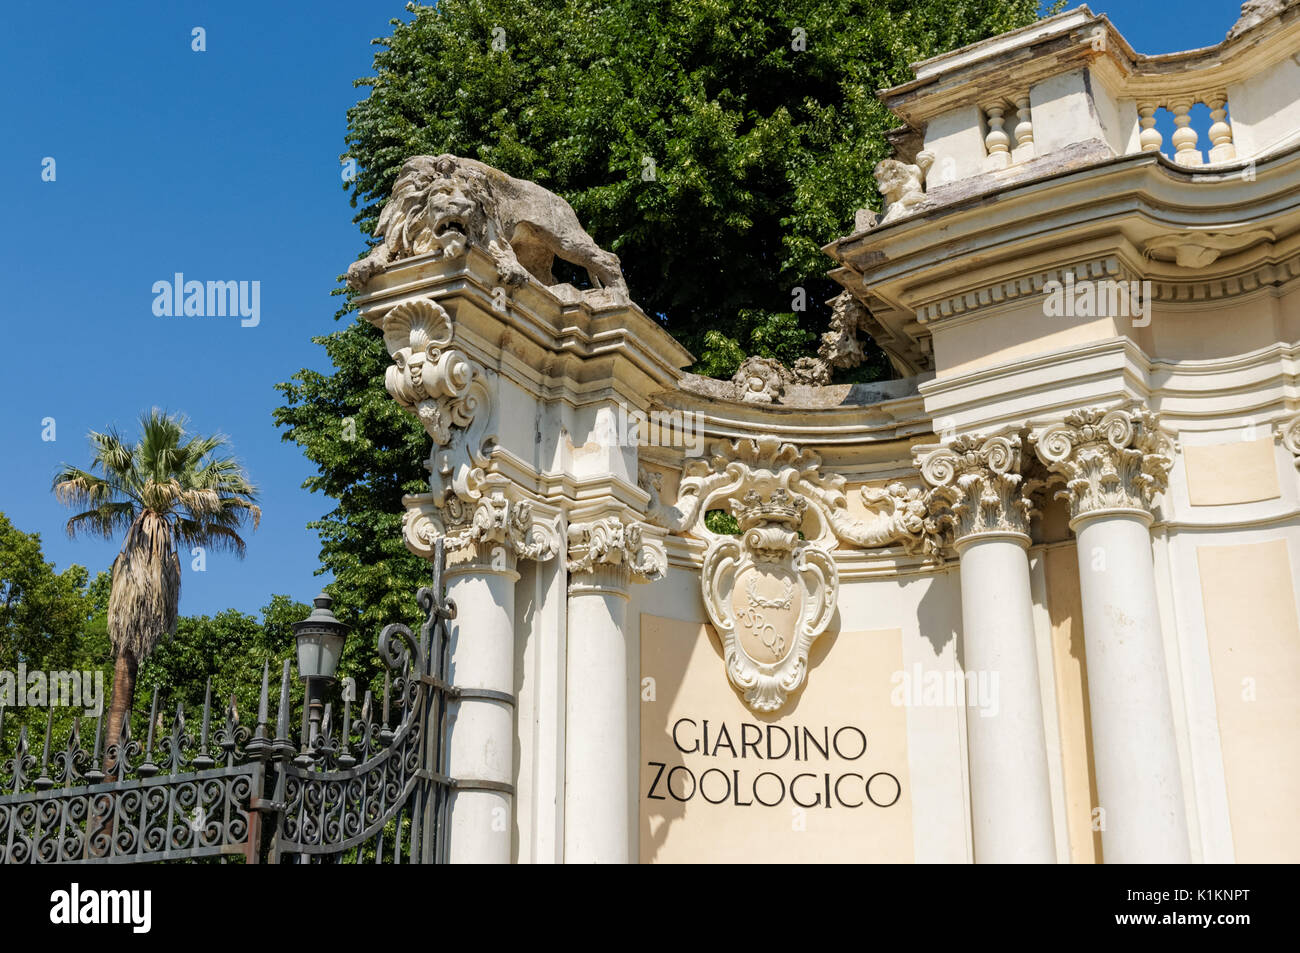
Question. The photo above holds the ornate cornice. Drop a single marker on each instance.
(616, 543)
(1110, 267)
(1113, 461)
(978, 489)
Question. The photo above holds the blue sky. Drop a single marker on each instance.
(221, 165)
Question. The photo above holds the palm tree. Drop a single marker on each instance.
(168, 491)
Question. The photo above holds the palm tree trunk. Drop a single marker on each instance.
(99, 830)
(124, 672)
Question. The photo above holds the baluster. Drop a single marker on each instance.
(1184, 138)
(20, 758)
(385, 733)
(70, 757)
(177, 753)
(230, 738)
(1150, 138)
(997, 141)
(1221, 146)
(1024, 130)
(367, 723)
(345, 759)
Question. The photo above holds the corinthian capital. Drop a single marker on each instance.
(494, 520)
(612, 542)
(1112, 461)
(977, 486)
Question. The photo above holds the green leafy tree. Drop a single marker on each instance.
(43, 613)
(167, 491)
(714, 145)
(47, 620)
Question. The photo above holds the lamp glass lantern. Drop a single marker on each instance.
(320, 639)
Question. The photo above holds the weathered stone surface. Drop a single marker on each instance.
(1255, 12)
(441, 203)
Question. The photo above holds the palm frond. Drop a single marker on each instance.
(105, 520)
(76, 487)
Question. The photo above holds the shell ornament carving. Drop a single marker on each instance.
(770, 595)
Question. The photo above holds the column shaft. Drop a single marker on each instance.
(1134, 748)
(482, 737)
(1011, 802)
(597, 799)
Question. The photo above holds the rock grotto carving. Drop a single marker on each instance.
(762, 380)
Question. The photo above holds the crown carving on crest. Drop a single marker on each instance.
(780, 506)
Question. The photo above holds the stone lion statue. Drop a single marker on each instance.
(441, 204)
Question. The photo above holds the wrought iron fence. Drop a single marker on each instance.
(371, 787)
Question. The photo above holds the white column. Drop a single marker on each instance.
(1011, 801)
(483, 543)
(605, 555)
(1114, 464)
(481, 749)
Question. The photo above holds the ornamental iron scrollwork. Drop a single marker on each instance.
(370, 787)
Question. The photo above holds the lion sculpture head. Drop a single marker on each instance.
(438, 205)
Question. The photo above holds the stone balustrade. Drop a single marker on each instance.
(1069, 90)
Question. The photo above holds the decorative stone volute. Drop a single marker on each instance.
(429, 377)
(978, 487)
(1113, 461)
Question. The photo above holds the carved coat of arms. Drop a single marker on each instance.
(770, 594)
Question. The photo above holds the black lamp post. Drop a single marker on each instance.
(320, 639)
